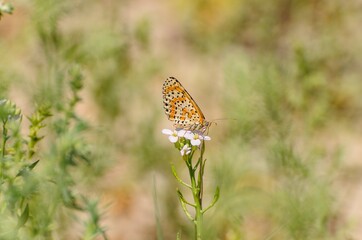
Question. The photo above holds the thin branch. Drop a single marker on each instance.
(181, 197)
(216, 197)
(185, 210)
(179, 179)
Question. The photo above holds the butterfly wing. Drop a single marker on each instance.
(179, 106)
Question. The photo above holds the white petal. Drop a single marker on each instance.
(181, 133)
(195, 142)
(167, 131)
(173, 139)
(186, 149)
(189, 135)
(207, 138)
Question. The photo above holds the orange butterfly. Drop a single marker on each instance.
(181, 108)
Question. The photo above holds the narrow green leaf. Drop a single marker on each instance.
(31, 166)
(27, 168)
(216, 198)
(23, 217)
(181, 197)
(177, 178)
(183, 205)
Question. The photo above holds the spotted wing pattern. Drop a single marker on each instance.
(180, 107)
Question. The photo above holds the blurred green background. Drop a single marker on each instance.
(285, 75)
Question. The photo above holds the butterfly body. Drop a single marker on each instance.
(181, 108)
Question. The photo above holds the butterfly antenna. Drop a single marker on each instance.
(223, 119)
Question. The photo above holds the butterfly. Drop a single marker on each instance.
(181, 108)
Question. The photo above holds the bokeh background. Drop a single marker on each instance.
(284, 76)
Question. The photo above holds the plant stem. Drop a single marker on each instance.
(5, 138)
(197, 187)
(198, 222)
(198, 195)
(196, 172)
(198, 204)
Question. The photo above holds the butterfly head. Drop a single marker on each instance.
(202, 128)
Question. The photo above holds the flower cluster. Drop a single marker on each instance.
(185, 140)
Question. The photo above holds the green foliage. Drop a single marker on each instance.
(87, 75)
(5, 8)
(92, 227)
(37, 195)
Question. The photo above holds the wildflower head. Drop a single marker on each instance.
(172, 135)
(195, 138)
(186, 150)
(186, 141)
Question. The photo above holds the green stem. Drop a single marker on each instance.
(196, 187)
(198, 205)
(197, 195)
(198, 221)
(200, 181)
(5, 138)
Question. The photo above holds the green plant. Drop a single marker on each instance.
(5, 8)
(188, 143)
(38, 184)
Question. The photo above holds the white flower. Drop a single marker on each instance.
(185, 150)
(180, 132)
(189, 135)
(196, 138)
(183, 133)
(172, 135)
